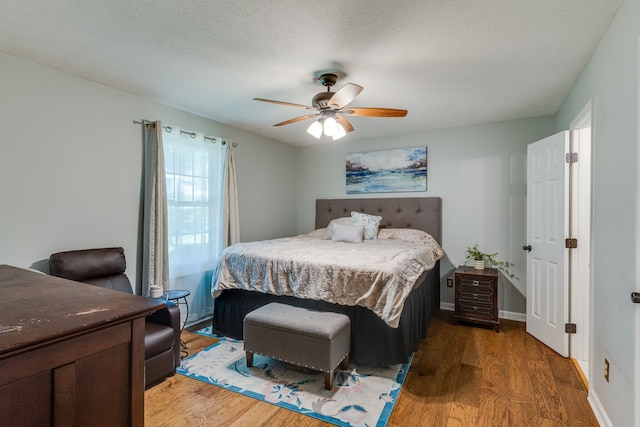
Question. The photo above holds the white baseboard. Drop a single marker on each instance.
(509, 315)
(449, 306)
(598, 410)
(512, 315)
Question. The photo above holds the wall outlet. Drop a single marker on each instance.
(606, 370)
(449, 282)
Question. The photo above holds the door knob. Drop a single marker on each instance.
(635, 297)
(527, 248)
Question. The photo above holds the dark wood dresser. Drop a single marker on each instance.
(476, 296)
(71, 354)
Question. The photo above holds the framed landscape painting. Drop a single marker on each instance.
(387, 171)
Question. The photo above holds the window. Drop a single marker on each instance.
(194, 170)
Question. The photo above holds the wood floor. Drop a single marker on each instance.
(461, 376)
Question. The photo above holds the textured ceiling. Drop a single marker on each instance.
(449, 62)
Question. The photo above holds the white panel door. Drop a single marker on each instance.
(547, 227)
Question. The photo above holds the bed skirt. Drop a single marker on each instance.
(373, 342)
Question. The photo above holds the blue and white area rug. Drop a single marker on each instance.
(360, 396)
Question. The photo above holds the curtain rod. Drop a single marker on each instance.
(193, 134)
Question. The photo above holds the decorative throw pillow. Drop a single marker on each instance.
(346, 233)
(345, 220)
(369, 222)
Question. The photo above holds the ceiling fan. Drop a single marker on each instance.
(332, 108)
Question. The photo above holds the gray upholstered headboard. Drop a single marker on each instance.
(423, 213)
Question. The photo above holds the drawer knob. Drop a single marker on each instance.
(475, 296)
(475, 283)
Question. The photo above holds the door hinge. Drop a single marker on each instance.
(570, 243)
(570, 328)
(571, 158)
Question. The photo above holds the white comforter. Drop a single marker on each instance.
(376, 274)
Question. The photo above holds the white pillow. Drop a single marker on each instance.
(369, 222)
(346, 233)
(346, 220)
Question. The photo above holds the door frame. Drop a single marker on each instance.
(581, 227)
(636, 374)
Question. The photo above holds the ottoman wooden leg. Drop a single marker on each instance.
(249, 359)
(345, 362)
(328, 380)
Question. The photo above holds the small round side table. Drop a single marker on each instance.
(179, 297)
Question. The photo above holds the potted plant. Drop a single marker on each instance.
(479, 258)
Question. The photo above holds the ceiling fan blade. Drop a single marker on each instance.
(297, 119)
(345, 95)
(374, 112)
(346, 124)
(308, 107)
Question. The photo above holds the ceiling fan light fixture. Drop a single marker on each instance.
(315, 129)
(330, 126)
(340, 133)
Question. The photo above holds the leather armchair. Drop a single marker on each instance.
(105, 268)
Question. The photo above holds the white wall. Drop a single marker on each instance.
(70, 167)
(480, 173)
(611, 80)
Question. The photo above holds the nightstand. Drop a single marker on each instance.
(476, 296)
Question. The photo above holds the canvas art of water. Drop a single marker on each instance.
(387, 171)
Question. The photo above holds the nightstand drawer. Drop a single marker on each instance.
(469, 279)
(477, 297)
(481, 288)
(478, 311)
(484, 310)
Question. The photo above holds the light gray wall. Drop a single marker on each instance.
(70, 167)
(479, 171)
(611, 81)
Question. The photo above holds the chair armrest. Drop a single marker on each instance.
(169, 316)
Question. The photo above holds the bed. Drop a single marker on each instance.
(374, 340)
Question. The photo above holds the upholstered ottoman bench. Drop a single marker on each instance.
(313, 339)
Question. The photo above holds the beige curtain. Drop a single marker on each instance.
(230, 216)
(155, 263)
